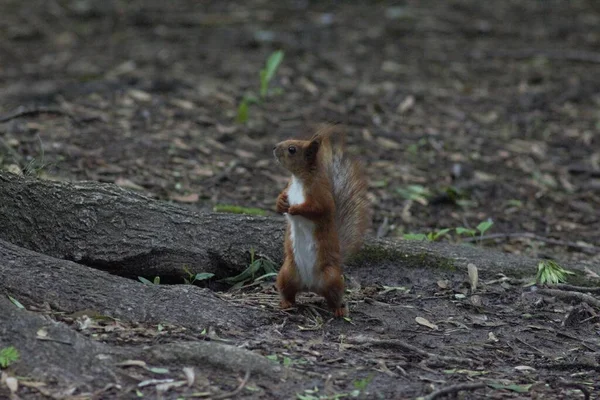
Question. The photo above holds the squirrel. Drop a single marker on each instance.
(326, 208)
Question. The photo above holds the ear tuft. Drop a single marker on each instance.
(312, 149)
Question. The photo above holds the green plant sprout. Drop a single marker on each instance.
(460, 231)
(417, 193)
(266, 76)
(267, 73)
(431, 236)
(260, 267)
(8, 355)
(192, 277)
(147, 282)
(484, 226)
(550, 272)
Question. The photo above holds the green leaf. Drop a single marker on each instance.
(418, 193)
(272, 357)
(203, 276)
(144, 280)
(461, 231)
(242, 112)
(415, 236)
(265, 276)
(254, 268)
(238, 209)
(484, 226)
(267, 74)
(269, 267)
(440, 233)
(362, 384)
(157, 280)
(8, 355)
(16, 302)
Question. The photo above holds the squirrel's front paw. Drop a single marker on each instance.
(293, 210)
(282, 204)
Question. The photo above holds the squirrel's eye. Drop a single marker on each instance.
(292, 149)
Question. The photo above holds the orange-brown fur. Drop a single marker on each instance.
(339, 231)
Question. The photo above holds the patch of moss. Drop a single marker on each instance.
(239, 210)
(379, 253)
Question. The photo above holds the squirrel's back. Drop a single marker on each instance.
(349, 188)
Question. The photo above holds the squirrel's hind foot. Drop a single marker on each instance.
(340, 311)
(285, 304)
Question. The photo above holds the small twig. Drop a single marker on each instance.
(528, 235)
(24, 112)
(568, 295)
(531, 346)
(363, 340)
(454, 389)
(584, 289)
(47, 339)
(578, 386)
(236, 391)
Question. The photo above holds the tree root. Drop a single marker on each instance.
(431, 358)
(571, 295)
(454, 390)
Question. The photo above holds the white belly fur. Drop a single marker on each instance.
(302, 232)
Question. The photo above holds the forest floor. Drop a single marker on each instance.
(462, 111)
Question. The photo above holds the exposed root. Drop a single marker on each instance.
(454, 390)
(431, 357)
(571, 295)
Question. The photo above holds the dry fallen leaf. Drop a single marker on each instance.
(190, 198)
(132, 363)
(127, 184)
(139, 95)
(443, 284)
(166, 386)
(473, 276)
(524, 368)
(14, 169)
(42, 332)
(180, 144)
(424, 322)
(244, 154)
(492, 337)
(12, 384)
(185, 104)
(388, 143)
(406, 104)
(190, 375)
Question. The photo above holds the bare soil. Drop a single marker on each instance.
(461, 111)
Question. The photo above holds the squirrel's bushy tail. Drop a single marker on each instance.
(349, 188)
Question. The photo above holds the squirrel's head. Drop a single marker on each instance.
(298, 156)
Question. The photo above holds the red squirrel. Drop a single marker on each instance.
(326, 208)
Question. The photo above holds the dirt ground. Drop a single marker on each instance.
(462, 111)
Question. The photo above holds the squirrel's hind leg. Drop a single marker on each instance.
(288, 285)
(333, 290)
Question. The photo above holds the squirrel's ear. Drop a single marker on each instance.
(312, 150)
